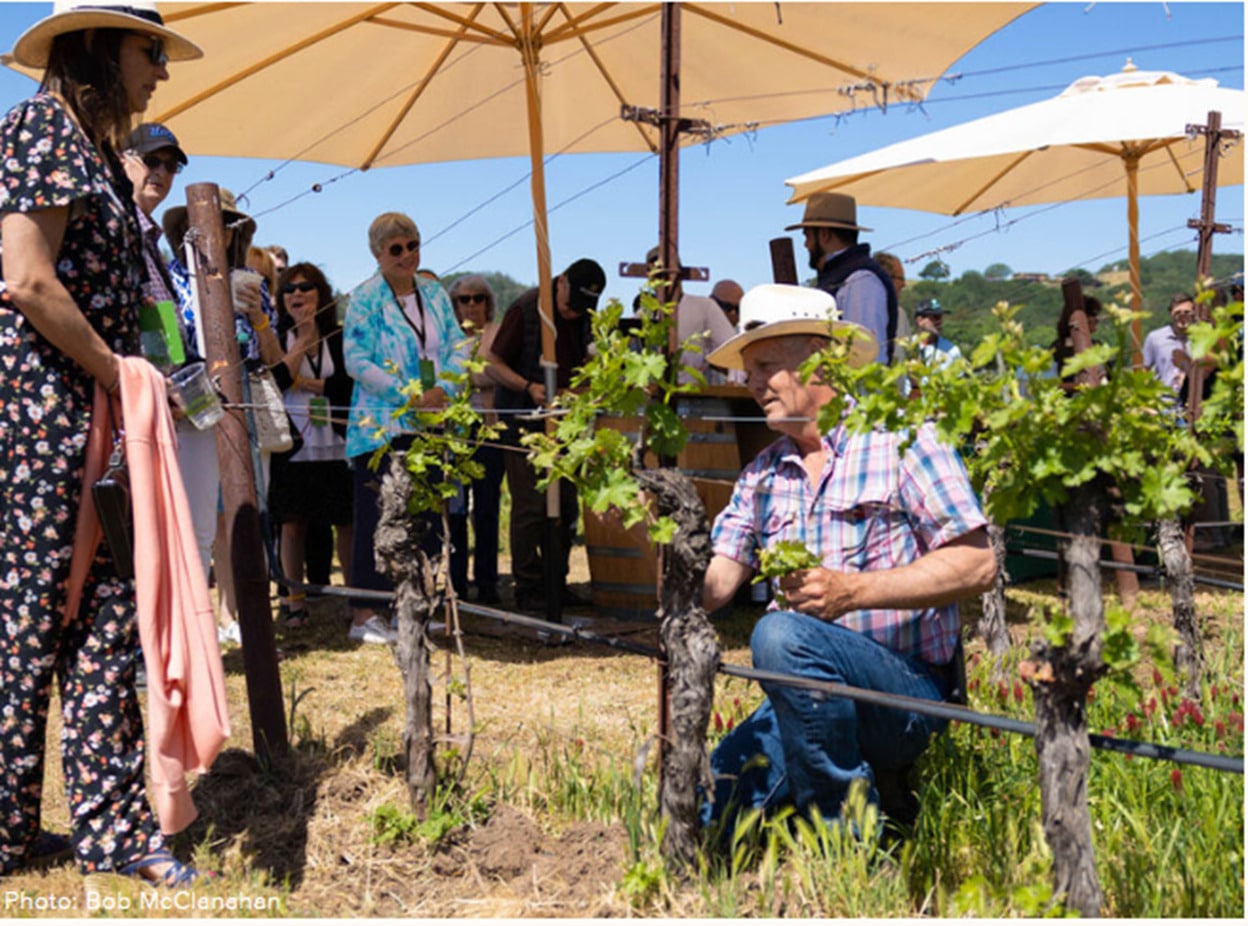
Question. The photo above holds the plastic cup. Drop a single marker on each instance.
(196, 397)
(240, 279)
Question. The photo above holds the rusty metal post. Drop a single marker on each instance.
(1207, 227)
(238, 492)
(669, 159)
(669, 236)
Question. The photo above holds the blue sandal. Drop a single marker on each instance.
(176, 875)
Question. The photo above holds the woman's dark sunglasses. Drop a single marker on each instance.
(156, 52)
(171, 164)
(298, 288)
(396, 249)
(470, 298)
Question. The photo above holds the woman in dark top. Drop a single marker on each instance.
(312, 480)
(72, 268)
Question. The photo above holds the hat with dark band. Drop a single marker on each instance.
(829, 210)
(32, 47)
(774, 310)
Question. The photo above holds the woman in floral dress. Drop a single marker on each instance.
(71, 268)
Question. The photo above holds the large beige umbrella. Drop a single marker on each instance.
(1123, 135)
(382, 84)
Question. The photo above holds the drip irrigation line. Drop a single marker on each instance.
(948, 711)
(574, 631)
(1149, 571)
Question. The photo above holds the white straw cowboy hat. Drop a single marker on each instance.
(32, 48)
(829, 210)
(774, 310)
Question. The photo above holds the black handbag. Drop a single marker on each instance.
(111, 494)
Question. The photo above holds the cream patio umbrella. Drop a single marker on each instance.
(1122, 135)
(382, 84)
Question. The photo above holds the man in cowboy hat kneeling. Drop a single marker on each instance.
(846, 271)
(901, 539)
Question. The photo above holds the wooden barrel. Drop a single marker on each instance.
(623, 565)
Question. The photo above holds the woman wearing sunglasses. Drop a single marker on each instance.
(72, 269)
(311, 481)
(400, 329)
(475, 307)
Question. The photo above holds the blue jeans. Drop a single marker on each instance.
(805, 747)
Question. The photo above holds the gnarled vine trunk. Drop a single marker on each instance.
(692, 651)
(398, 552)
(1060, 685)
(992, 625)
(1189, 653)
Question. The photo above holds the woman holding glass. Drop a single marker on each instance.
(311, 481)
(400, 328)
(72, 269)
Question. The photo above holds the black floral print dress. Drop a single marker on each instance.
(45, 415)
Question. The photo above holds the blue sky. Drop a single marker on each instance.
(732, 192)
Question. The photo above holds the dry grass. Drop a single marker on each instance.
(299, 829)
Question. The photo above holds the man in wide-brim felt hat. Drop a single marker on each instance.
(846, 270)
(900, 538)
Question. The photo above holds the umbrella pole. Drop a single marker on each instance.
(530, 52)
(1133, 257)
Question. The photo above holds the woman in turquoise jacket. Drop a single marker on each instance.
(400, 327)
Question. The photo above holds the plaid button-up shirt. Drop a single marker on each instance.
(873, 508)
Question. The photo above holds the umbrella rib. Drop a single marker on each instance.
(246, 72)
(991, 183)
(1178, 168)
(901, 90)
(465, 23)
(578, 25)
(651, 144)
(419, 90)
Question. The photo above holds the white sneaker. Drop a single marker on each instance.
(229, 633)
(373, 630)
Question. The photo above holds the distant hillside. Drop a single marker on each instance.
(969, 299)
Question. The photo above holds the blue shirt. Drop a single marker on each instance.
(382, 352)
(187, 301)
(863, 300)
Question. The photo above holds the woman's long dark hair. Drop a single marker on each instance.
(84, 69)
(326, 306)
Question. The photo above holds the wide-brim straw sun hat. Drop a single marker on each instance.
(32, 47)
(830, 210)
(174, 221)
(774, 310)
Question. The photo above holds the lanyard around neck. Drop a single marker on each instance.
(420, 311)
